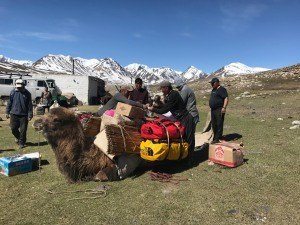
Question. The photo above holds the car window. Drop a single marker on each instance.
(6, 81)
(51, 83)
(41, 83)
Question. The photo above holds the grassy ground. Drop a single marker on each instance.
(265, 190)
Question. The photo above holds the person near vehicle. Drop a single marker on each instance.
(174, 104)
(46, 98)
(139, 94)
(188, 97)
(218, 102)
(121, 96)
(19, 110)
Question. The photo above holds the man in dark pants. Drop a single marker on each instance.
(218, 102)
(19, 109)
(175, 104)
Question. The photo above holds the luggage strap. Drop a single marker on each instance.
(168, 137)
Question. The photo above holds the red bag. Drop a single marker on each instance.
(162, 129)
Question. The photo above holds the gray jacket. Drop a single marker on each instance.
(189, 100)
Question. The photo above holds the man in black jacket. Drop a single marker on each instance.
(19, 109)
(175, 104)
(218, 102)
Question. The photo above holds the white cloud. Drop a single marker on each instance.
(237, 15)
(50, 36)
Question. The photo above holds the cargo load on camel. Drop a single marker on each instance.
(88, 147)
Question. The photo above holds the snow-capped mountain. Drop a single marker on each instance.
(192, 73)
(237, 69)
(112, 72)
(152, 75)
(109, 70)
(4, 59)
(106, 69)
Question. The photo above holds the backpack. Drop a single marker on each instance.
(158, 151)
(162, 129)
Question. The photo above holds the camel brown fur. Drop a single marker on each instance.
(76, 155)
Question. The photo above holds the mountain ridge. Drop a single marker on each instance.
(112, 72)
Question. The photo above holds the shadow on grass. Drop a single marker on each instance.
(173, 167)
(36, 166)
(7, 150)
(232, 137)
(37, 144)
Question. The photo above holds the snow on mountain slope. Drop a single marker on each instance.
(109, 70)
(112, 72)
(152, 75)
(19, 62)
(192, 73)
(237, 69)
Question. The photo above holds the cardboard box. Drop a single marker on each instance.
(129, 110)
(10, 166)
(227, 154)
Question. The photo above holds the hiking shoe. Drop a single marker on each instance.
(21, 146)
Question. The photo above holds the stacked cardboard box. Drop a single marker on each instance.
(130, 111)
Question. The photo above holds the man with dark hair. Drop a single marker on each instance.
(174, 104)
(218, 102)
(139, 94)
(19, 110)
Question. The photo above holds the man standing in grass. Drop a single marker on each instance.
(19, 110)
(218, 102)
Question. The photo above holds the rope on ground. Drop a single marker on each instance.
(99, 192)
(166, 177)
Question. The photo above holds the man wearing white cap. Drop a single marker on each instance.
(19, 110)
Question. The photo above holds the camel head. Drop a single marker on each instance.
(60, 123)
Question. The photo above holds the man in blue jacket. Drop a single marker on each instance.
(19, 110)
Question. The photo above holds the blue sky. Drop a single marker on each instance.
(173, 33)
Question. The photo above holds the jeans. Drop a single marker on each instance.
(18, 125)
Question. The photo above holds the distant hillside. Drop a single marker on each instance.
(286, 78)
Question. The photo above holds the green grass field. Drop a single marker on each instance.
(265, 190)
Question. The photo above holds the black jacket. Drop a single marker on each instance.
(174, 104)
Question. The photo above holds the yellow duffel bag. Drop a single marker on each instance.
(158, 151)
